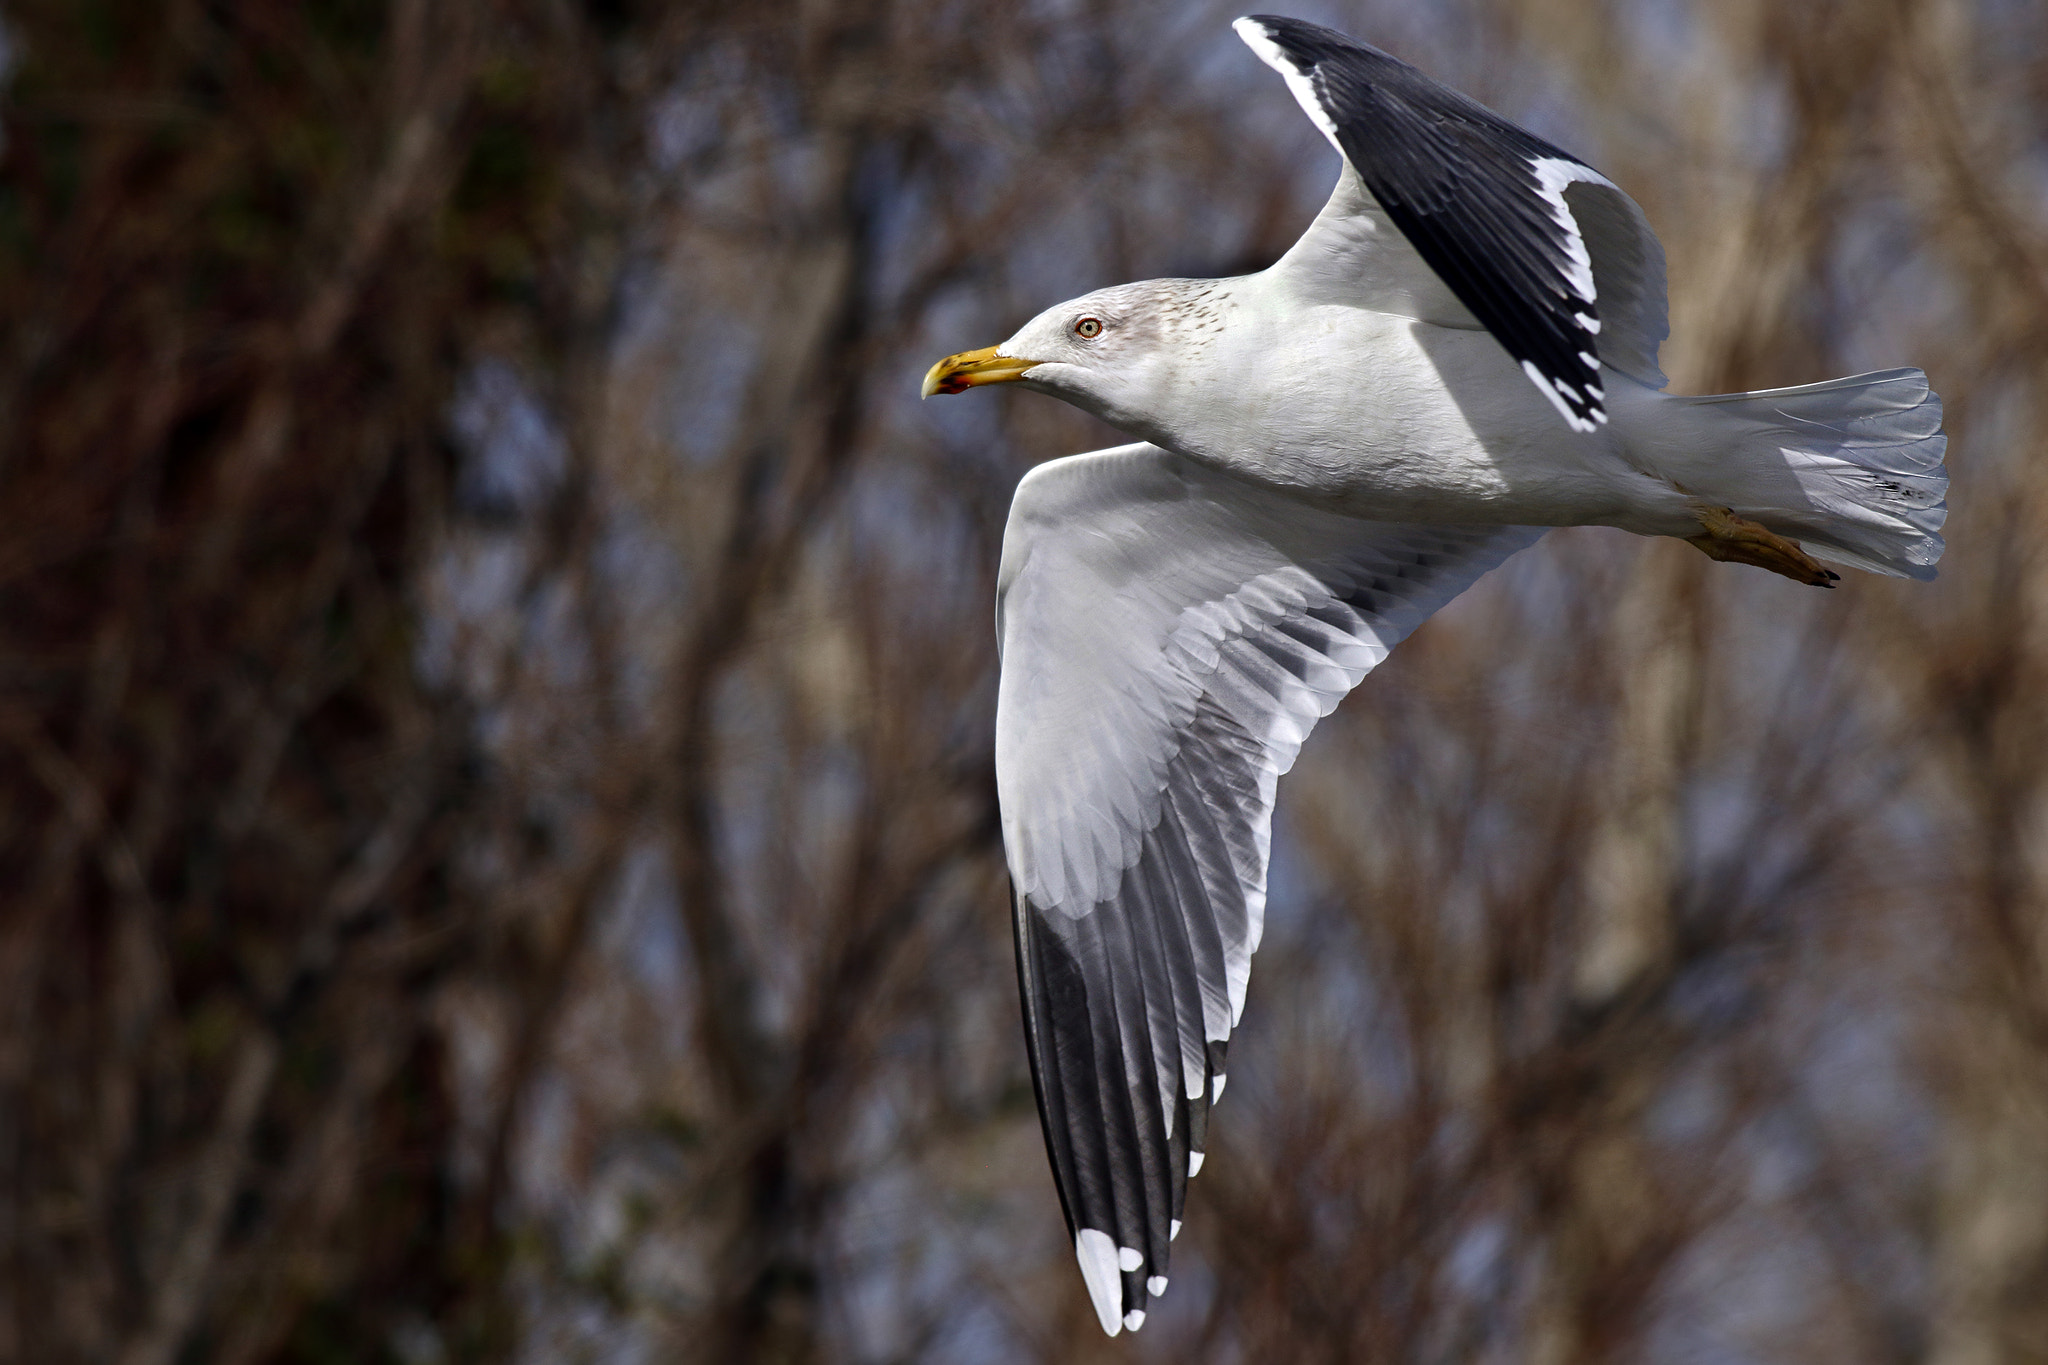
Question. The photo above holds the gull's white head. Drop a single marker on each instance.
(1111, 352)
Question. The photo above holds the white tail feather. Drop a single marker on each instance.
(1850, 468)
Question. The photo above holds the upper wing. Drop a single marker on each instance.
(1544, 251)
(1169, 636)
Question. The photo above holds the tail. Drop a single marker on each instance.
(1851, 469)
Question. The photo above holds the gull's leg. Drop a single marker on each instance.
(1738, 540)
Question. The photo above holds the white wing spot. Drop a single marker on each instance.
(1129, 1258)
(1097, 1255)
(1156, 1286)
(1173, 1231)
(1135, 1319)
(1549, 390)
(1552, 175)
(1194, 1166)
(1217, 1093)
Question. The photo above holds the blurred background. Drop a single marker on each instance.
(498, 858)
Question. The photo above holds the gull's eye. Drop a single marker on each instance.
(1088, 329)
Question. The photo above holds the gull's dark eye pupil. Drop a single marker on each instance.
(1088, 329)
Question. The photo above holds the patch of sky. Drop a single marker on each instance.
(1548, 102)
(1858, 1065)
(781, 835)
(415, 1340)
(829, 802)
(981, 131)
(1540, 592)
(474, 1030)
(1325, 967)
(1478, 1265)
(473, 580)
(750, 778)
(683, 127)
(1203, 245)
(905, 530)
(2027, 178)
(725, 191)
(644, 303)
(542, 1157)
(1777, 664)
(2002, 421)
(898, 1244)
(579, 1325)
(689, 123)
(1764, 119)
(1736, 1294)
(975, 1331)
(1736, 849)
(2013, 28)
(553, 643)
(1062, 256)
(707, 404)
(1491, 831)
(609, 1229)
(513, 454)
(1666, 34)
(483, 621)
(1080, 68)
(685, 313)
(603, 1219)
(1368, 24)
(900, 213)
(765, 157)
(1263, 112)
(1289, 881)
(1719, 992)
(1188, 31)
(1781, 1157)
(1688, 1108)
(1885, 292)
(641, 578)
(1321, 957)
(800, 164)
(644, 929)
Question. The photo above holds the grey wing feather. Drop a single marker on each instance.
(1628, 273)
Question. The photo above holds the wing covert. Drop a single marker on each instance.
(1170, 635)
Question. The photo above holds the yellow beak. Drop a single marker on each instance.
(959, 373)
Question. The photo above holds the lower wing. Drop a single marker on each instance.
(1170, 635)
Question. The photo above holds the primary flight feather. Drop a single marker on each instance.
(1459, 353)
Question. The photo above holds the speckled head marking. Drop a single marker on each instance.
(1109, 352)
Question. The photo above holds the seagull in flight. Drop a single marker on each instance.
(1459, 353)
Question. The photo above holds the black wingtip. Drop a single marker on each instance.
(1308, 43)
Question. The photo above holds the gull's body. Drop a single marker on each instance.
(1459, 353)
(1407, 421)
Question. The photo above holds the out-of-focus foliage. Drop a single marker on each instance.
(499, 853)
